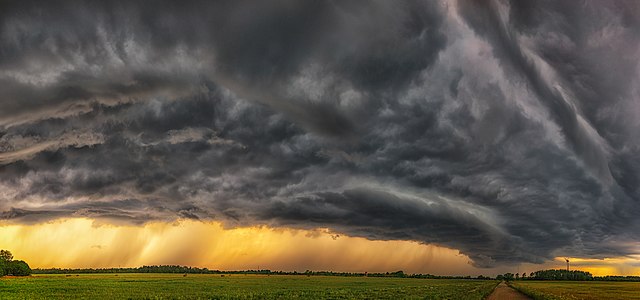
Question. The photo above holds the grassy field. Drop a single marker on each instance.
(175, 286)
(579, 289)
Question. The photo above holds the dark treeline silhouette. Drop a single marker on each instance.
(561, 274)
(143, 269)
(193, 270)
(617, 278)
(399, 274)
(9, 266)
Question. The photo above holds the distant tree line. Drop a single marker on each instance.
(193, 270)
(157, 269)
(538, 275)
(560, 274)
(399, 274)
(143, 269)
(617, 278)
(552, 274)
(9, 266)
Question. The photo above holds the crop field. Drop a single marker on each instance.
(177, 286)
(579, 289)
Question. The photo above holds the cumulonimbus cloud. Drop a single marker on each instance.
(507, 130)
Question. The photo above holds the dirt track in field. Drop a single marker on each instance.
(505, 292)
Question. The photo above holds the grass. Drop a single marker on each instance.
(175, 286)
(560, 290)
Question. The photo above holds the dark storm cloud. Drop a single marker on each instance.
(505, 130)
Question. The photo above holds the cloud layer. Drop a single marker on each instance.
(506, 130)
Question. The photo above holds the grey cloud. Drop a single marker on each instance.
(16, 148)
(506, 130)
(383, 215)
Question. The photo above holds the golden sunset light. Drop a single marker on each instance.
(82, 243)
(86, 243)
(605, 266)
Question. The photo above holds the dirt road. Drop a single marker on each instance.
(504, 292)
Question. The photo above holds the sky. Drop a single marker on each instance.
(443, 137)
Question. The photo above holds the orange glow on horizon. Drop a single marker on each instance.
(83, 243)
(607, 266)
(86, 243)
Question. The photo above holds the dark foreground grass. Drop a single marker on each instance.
(560, 290)
(175, 286)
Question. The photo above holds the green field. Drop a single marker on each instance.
(579, 289)
(175, 286)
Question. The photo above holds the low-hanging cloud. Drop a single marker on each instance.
(507, 130)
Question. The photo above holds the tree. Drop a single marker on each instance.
(5, 258)
(561, 274)
(6, 255)
(3, 268)
(397, 274)
(508, 276)
(18, 268)
(8, 266)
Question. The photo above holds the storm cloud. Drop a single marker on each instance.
(507, 130)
